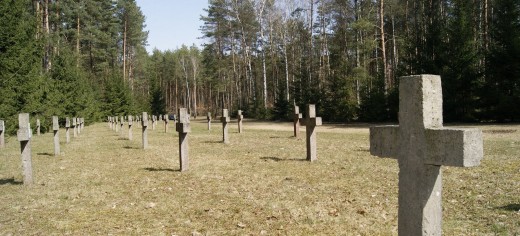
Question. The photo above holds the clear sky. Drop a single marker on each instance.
(172, 23)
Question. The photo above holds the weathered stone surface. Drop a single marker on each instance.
(183, 127)
(2, 134)
(422, 146)
(130, 124)
(310, 122)
(56, 128)
(240, 117)
(38, 127)
(24, 136)
(67, 127)
(145, 130)
(225, 120)
(208, 117)
(297, 116)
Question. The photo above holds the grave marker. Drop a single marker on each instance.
(74, 124)
(24, 136)
(56, 129)
(2, 135)
(209, 120)
(130, 123)
(154, 118)
(67, 126)
(296, 121)
(310, 124)
(78, 125)
(144, 124)
(422, 145)
(38, 126)
(240, 117)
(122, 124)
(166, 123)
(225, 120)
(183, 127)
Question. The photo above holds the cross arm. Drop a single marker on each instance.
(384, 141)
(454, 147)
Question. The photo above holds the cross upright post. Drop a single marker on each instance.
(240, 117)
(74, 124)
(154, 119)
(421, 146)
(2, 135)
(166, 120)
(225, 120)
(296, 121)
(130, 123)
(122, 124)
(38, 126)
(56, 129)
(78, 125)
(67, 127)
(310, 122)
(24, 136)
(209, 120)
(183, 127)
(144, 124)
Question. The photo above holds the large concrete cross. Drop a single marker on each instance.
(225, 120)
(24, 136)
(183, 127)
(310, 122)
(422, 145)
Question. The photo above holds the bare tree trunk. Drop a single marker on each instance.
(124, 50)
(383, 45)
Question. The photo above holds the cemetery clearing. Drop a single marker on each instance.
(259, 183)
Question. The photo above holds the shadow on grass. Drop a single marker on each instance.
(44, 154)
(212, 142)
(10, 181)
(122, 139)
(128, 147)
(510, 207)
(277, 159)
(153, 169)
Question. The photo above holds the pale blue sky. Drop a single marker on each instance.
(172, 23)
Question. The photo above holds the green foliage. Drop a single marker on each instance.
(157, 102)
(282, 109)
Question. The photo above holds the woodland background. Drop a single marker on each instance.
(88, 59)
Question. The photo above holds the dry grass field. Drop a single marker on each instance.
(259, 184)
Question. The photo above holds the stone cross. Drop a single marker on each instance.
(130, 123)
(112, 123)
(24, 135)
(240, 117)
(225, 120)
(209, 120)
(310, 124)
(183, 127)
(122, 124)
(74, 124)
(67, 126)
(56, 129)
(82, 123)
(144, 124)
(166, 120)
(38, 126)
(154, 118)
(78, 125)
(421, 146)
(296, 121)
(2, 135)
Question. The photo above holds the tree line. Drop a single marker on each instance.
(88, 58)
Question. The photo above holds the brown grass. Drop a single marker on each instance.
(258, 184)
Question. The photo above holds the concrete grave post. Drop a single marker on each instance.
(240, 117)
(67, 127)
(310, 122)
(297, 116)
(116, 123)
(422, 145)
(56, 129)
(166, 123)
(122, 124)
(183, 127)
(74, 128)
(82, 123)
(225, 120)
(209, 120)
(38, 126)
(2, 134)
(130, 123)
(144, 124)
(78, 125)
(24, 136)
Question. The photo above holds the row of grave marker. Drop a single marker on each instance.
(420, 144)
(24, 136)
